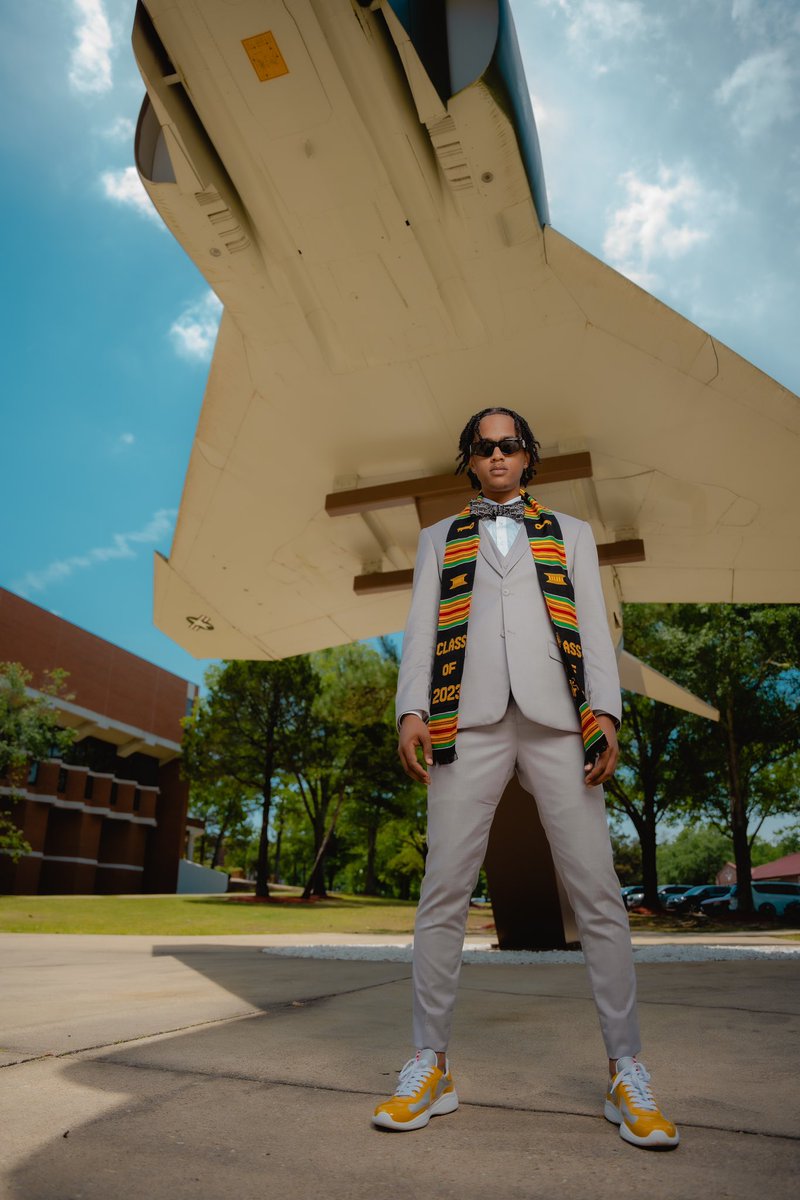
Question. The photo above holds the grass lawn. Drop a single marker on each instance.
(173, 915)
(203, 915)
(694, 923)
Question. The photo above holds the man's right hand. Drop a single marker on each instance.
(414, 733)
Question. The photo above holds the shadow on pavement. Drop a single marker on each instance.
(264, 981)
(277, 1101)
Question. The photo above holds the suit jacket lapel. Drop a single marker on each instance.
(518, 548)
(489, 551)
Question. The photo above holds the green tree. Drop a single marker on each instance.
(319, 768)
(695, 855)
(745, 659)
(403, 849)
(788, 841)
(225, 807)
(241, 851)
(647, 787)
(29, 731)
(643, 787)
(698, 853)
(295, 855)
(627, 858)
(244, 731)
(340, 751)
(279, 825)
(379, 793)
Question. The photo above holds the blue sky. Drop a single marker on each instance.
(670, 142)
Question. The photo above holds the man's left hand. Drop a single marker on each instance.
(606, 764)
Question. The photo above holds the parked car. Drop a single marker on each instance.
(632, 895)
(774, 899)
(769, 899)
(690, 900)
(717, 906)
(672, 889)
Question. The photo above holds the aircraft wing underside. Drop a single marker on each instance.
(382, 251)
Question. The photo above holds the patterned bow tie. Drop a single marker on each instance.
(487, 511)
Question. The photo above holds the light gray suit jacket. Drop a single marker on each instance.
(511, 648)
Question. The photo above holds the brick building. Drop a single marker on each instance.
(110, 815)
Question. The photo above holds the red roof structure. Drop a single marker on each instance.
(787, 867)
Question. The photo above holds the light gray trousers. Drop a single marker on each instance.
(462, 798)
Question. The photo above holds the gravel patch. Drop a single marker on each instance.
(506, 958)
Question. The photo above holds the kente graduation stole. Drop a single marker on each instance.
(458, 576)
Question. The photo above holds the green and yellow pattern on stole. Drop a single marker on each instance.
(458, 577)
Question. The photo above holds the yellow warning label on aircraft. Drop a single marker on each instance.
(263, 52)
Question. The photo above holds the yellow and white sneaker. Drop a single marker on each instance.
(631, 1105)
(423, 1091)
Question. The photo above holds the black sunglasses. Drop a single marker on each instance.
(485, 448)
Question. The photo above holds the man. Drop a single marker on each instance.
(508, 665)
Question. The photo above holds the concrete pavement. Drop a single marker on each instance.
(171, 1067)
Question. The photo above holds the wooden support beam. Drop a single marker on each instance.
(382, 581)
(610, 554)
(615, 554)
(557, 469)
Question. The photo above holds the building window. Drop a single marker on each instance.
(112, 799)
(91, 752)
(88, 787)
(61, 786)
(142, 768)
(33, 773)
(137, 800)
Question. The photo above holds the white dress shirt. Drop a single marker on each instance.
(503, 529)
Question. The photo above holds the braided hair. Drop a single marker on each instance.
(470, 432)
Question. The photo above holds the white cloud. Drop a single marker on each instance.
(543, 114)
(768, 20)
(90, 63)
(126, 439)
(553, 123)
(659, 220)
(120, 130)
(746, 12)
(195, 330)
(792, 186)
(125, 187)
(122, 545)
(607, 19)
(760, 91)
(756, 302)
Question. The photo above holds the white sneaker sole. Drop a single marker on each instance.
(657, 1140)
(447, 1103)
